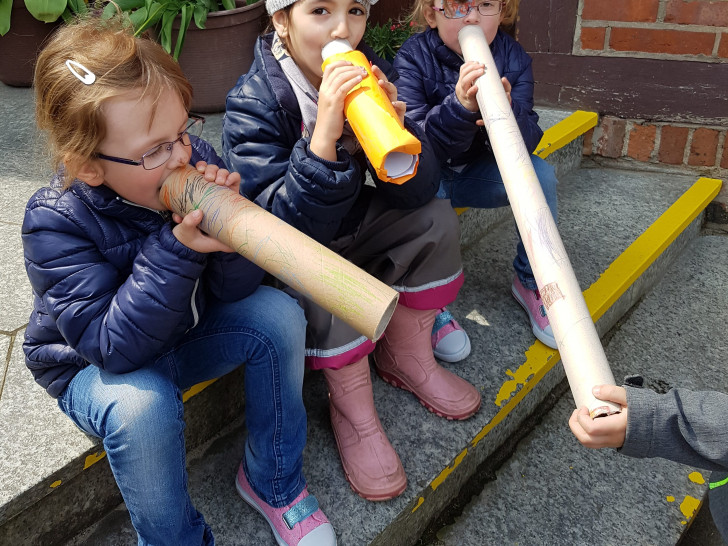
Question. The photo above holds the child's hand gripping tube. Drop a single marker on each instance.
(391, 149)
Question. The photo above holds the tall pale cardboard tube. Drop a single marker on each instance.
(581, 349)
(343, 289)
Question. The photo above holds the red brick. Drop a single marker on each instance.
(672, 144)
(723, 46)
(593, 38)
(641, 142)
(724, 159)
(611, 140)
(588, 140)
(644, 11)
(703, 147)
(673, 42)
(690, 12)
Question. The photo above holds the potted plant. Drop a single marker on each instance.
(386, 38)
(213, 52)
(32, 22)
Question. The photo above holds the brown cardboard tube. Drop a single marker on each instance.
(343, 289)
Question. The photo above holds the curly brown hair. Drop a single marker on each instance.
(508, 14)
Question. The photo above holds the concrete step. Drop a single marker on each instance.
(602, 212)
(554, 491)
(52, 476)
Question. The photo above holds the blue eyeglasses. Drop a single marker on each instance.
(159, 155)
(452, 9)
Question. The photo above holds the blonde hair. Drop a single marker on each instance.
(69, 111)
(509, 12)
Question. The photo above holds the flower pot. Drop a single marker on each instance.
(20, 46)
(215, 57)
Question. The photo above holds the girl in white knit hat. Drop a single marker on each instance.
(285, 133)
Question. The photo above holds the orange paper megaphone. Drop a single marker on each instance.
(391, 149)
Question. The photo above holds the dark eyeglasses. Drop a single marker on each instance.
(159, 155)
(452, 9)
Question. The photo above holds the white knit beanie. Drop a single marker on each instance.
(275, 5)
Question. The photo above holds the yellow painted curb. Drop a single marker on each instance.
(600, 296)
(565, 131)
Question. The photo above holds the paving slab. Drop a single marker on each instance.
(555, 491)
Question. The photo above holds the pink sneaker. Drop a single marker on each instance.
(301, 523)
(449, 341)
(530, 300)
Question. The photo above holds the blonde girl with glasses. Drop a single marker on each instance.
(439, 90)
(285, 133)
(132, 305)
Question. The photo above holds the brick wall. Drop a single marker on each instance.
(687, 30)
(679, 29)
(694, 147)
(654, 70)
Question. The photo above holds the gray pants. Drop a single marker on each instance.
(417, 252)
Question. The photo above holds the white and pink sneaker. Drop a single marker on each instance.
(301, 523)
(450, 343)
(531, 302)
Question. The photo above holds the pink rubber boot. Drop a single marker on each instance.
(404, 358)
(370, 463)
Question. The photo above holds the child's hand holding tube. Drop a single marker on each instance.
(339, 78)
(368, 106)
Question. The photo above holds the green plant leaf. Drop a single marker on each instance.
(201, 10)
(142, 18)
(46, 10)
(185, 19)
(6, 7)
(229, 4)
(165, 30)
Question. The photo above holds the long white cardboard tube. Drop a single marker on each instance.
(581, 350)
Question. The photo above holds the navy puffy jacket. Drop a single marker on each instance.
(262, 140)
(428, 72)
(112, 286)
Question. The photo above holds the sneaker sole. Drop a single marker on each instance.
(540, 334)
(456, 357)
(397, 382)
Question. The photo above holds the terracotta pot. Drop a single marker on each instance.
(20, 46)
(215, 57)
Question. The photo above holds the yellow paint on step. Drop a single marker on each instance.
(689, 507)
(196, 389)
(600, 296)
(670, 498)
(93, 458)
(565, 131)
(445, 473)
(537, 357)
(696, 477)
(55, 484)
(628, 266)
(420, 500)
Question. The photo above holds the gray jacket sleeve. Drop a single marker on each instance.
(684, 426)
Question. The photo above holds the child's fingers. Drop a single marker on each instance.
(389, 89)
(611, 393)
(378, 73)
(575, 425)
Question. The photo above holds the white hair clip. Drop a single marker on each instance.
(87, 77)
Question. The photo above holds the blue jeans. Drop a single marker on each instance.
(480, 185)
(139, 415)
